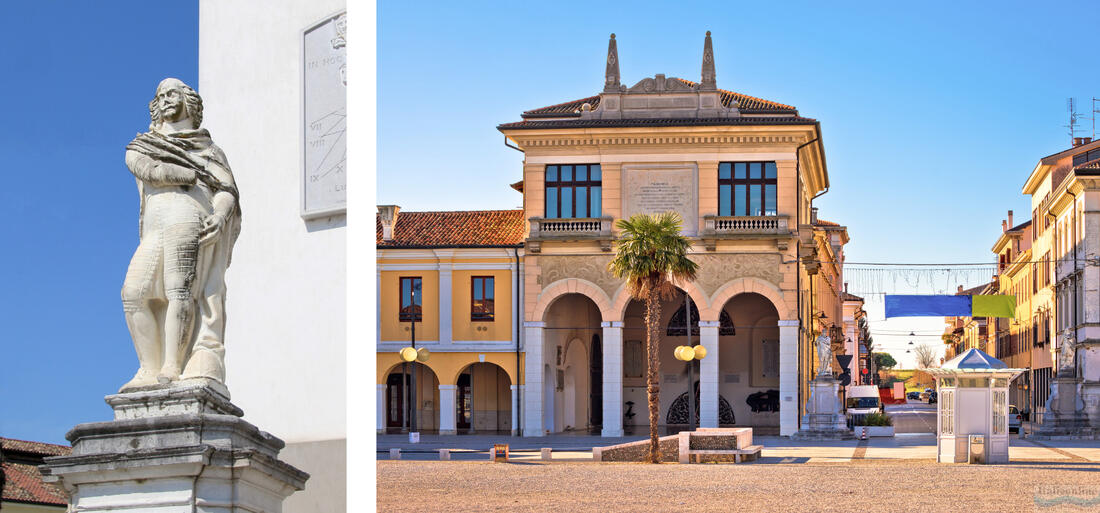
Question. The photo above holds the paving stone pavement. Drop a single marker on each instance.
(776, 449)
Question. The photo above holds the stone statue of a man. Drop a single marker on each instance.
(174, 293)
(1066, 367)
(824, 354)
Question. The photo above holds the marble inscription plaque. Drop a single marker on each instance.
(648, 190)
(324, 86)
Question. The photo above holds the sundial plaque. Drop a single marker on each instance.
(324, 117)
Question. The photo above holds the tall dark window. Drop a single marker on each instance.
(481, 299)
(411, 298)
(573, 190)
(747, 189)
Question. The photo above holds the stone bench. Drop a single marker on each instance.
(717, 445)
(749, 453)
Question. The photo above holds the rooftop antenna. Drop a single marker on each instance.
(1071, 106)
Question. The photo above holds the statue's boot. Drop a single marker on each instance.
(143, 377)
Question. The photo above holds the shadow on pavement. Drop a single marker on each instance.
(771, 460)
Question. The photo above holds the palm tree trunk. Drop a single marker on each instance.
(653, 388)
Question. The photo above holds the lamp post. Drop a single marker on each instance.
(409, 355)
(689, 354)
(691, 365)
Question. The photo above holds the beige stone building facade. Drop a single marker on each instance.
(742, 172)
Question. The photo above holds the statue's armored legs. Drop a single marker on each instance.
(177, 332)
(180, 259)
(137, 293)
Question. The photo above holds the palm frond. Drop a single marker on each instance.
(651, 252)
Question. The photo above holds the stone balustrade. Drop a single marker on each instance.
(741, 227)
(745, 224)
(570, 229)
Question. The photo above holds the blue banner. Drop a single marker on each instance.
(927, 306)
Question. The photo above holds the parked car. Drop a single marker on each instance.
(913, 395)
(1014, 418)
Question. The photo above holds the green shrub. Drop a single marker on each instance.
(876, 419)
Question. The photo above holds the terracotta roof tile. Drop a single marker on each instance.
(22, 480)
(849, 297)
(746, 103)
(466, 228)
(40, 448)
(571, 109)
(615, 123)
(822, 222)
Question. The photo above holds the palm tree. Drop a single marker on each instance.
(650, 255)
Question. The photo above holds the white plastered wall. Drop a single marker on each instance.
(286, 300)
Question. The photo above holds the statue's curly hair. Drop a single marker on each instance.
(192, 102)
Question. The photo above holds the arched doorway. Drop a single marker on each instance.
(398, 402)
(674, 375)
(483, 399)
(572, 324)
(748, 365)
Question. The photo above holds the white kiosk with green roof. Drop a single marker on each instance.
(972, 420)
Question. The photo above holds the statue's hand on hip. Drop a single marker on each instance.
(211, 227)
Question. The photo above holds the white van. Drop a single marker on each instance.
(862, 400)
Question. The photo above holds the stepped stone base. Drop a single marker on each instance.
(1065, 418)
(823, 420)
(174, 449)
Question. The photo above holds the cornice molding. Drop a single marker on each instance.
(557, 140)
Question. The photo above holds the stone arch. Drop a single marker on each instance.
(746, 285)
(383, 375)
(571, 286)
(455, 368)
(623, 298)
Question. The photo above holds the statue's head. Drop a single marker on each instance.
(175, 101)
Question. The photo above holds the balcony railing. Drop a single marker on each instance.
(746, 227)
(745, 224)
(572, 229)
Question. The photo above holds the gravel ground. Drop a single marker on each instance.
(890, 485)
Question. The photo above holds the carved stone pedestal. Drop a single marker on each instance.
(1065, 417)
(178, 449)
(823, 419)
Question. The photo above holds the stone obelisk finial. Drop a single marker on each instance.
(611, 76)
(708, 83)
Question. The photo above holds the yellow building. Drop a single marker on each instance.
(451, 277)
(741, 171)
(1022, 341)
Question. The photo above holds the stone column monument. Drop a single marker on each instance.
(1065, 416)
(177, 443)
(824, 418)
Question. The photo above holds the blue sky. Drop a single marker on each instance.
(933, 115)
(77, 81)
